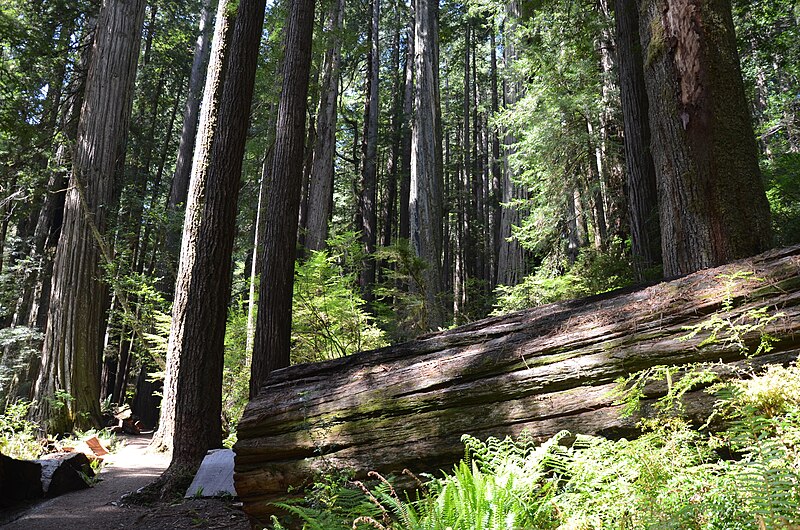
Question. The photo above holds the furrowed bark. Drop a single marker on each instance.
(542, 370)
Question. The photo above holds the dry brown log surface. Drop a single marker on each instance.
(543, 370)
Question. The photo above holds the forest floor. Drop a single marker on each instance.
(99, 507)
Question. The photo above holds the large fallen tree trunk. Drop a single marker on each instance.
(541, 370)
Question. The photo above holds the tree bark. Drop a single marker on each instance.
(322, 171)
(542, 370)
(640, 172)
(73, 342)
(713, 208)
(511, 259)
(369, 168)
(190, 421)
(183, 165)
(405, 149)
(425, 199)
(274, 322)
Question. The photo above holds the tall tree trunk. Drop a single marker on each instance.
(73, 342)
(496, 190)
(594, 186)
(190, 418)
(258, 241)
(274, 323)
(390, 204)
(408, 110)
(713, 208)
(183, 164)
(369, 173)
(640, 172)
(510, 262)
(425, 202)
(322, 172)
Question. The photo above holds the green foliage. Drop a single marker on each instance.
(782, 174)
(18, 435)
(235, 371)
(402, 304)
(21, 347)
(592, 273)
(719, 328)
(329, 319)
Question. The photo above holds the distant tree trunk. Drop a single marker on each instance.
(594, 186)
(322, 171)
(369, 168)
(713, 208)
(274, 323)
(73, 342)
(192, 404)
(496, 189)
(183, 164)
(510, 261)
(405, 152)
(258, 241)
(425, 202)
(390, 204)
(640, 172)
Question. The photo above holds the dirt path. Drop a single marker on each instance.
(98, 508)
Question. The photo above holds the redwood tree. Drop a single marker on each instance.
(713, 208)
(190, 419)
(73, 340)
(425, 201)
(274, 324)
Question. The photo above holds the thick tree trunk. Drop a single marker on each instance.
(713, 208)
(425, 199)
(203, 288)
(209, 115)
(511, 258)
(540, 370)
(322, 170)
(640, 172)
(274, 322)
(73, 342)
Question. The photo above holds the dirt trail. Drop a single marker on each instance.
(98, 508)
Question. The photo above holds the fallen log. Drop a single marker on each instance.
(19, 480)
(65, 472)
(541, 370)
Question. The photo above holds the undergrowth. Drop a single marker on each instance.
(672, 477)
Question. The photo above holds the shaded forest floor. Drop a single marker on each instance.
(99, 507)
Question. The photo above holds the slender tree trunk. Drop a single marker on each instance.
(369, 173)
(390, 205)
(713, 208)
(322, 172)
(258, 242)
(73, 342)
(495, 195)
(274, 323)
(594, 186)
(183, 164)
(640, 172)
(408, 110)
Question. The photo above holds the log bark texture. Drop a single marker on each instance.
(542, 370)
